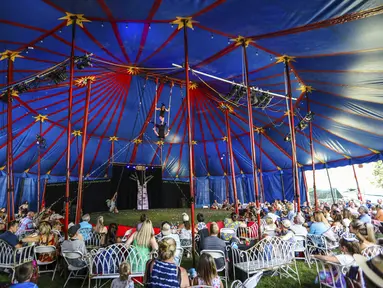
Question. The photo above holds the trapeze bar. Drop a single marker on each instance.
(231, 82)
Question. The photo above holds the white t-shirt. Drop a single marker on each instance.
(299, 229)
(117, 283)
(345, 259)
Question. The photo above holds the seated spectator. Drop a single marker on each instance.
(3, 219)
(232, 223)
(101, 229)
(347, 218)
(291, 213)
(215, 205)
(207, 272)
(123, 281)
(201, 223)
(143, 218)
(45, 238)
(298, 228)
(285, 233)
(372, 270)
(85, 227)
(185, 218)
(214, 243)
(111, 235)
(271, 214)
(364, 233)
(163, 272)
(320, 224)
(23, 209)
(338, 220)
(185, 232)
(26, 224)
(74, 244)
(10, 237)
(364, 217)
(144, 242)
(23, 276)
(166, 232)
(379, 213)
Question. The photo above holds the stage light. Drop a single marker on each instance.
(304, 123)
(256, 53)
(59, 75)
(146, 168)
(126, 26)
(21, 88)
(102, 24)
(128, 166)
(83, 61)
(287, 137)
(264, 99)
(134, 167)
(35, 83)
(40, 141)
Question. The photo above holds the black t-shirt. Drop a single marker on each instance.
(10, 238)
(161, 130)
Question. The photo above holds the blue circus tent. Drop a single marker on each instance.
(335, 52)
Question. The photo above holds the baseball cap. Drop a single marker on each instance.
(73, 230)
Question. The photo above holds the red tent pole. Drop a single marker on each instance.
(10, 195)
(44, 190)
(312, 155)
(251, 131)
(39, 168)
(260, 168)
(293, 140)
(307, 190)
(190, 138)
(357, 183)
(69, 129)
(82, 157)
(231, 159)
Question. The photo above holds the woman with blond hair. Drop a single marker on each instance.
(143, 241)
(364, 232)
(320, 224)
(207, 272)
(123, 281)
(101, 229)
(163, 272)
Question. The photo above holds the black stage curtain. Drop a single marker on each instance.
(127, 188)
(95, 194)
(176, 194)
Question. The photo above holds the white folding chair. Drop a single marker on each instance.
(71, 258)
(217, 254)
(178, 255)
(249, 283)
(372, 251)
(40, 250)
(300, 247)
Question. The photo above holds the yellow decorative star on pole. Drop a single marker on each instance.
(194, 142)
(41, 118)
(259, 130)
(208, 174)
(137, 141)
(78, 18)
(374, 151)
(160, 143)
(177, 176)
(193, 85)
(12, 55)
(240, 40)
(113, 138)
(287, 113)
(242, 172)
(285, 59)
(224, 138)
(182, 21)
(2, 168)
(133, 70)
(304, 88)
(76, 133)
(84, 80)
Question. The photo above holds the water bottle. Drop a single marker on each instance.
(192, 273)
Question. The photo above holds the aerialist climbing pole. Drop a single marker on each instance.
(88, 81)
(245, 42)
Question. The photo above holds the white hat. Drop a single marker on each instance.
(286, 223)
(165, 230)
(185, 217)
(372, 268)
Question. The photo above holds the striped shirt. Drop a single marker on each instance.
(164, 274)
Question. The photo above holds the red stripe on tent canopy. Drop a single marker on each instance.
(18, 134)
(40, 60)
(177, 129)
(216, 56)
(36, 47)
(264, 49)
(57, 7)
(147, 120)
(208, 8)
(53, 124)
(109, 14)
(17, 24)
(253, 71)
(102, 47)
(107, 127)
(181, 147)
(214, 31)
(325, 23)
(62, 154)
(145, 32)
(163, 45)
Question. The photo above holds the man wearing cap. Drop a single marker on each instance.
(74, 244)
(285, 232)
(167, 232)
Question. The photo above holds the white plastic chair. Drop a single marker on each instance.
(217, 254)
(94, 240)
(250, 232)
(178, 255)
(249, 283)
(336, 272)
(318, 244)
(372, 251)
(301, 247)
(46, 250)
(69, 258)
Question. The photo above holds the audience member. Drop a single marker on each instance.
(163, 272)
(23, 276)
(3, 219)
(364, 232)
(348, 247)
(186, 232)
(111, 235)
(143, 218)
(166, 231)
(298, 228)
(379, 213)
(207, 272)
(74, 244)
(291, 213)
(214, 243)
(26, 224)
(364, 217)
(201, 222)
(232, 223)
(372, 270)
(123, 281)
(320, 224)
(272, 214)
(10, 237)
(101, 229)
(85, 227)
(270, 226)
(285, 233)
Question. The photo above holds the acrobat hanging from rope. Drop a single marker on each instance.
(162, 110)
(159, 129)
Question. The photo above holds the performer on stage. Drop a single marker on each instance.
(112, 204)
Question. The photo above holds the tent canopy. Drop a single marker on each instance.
(336, 49)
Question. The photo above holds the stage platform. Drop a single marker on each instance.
(130, 218)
